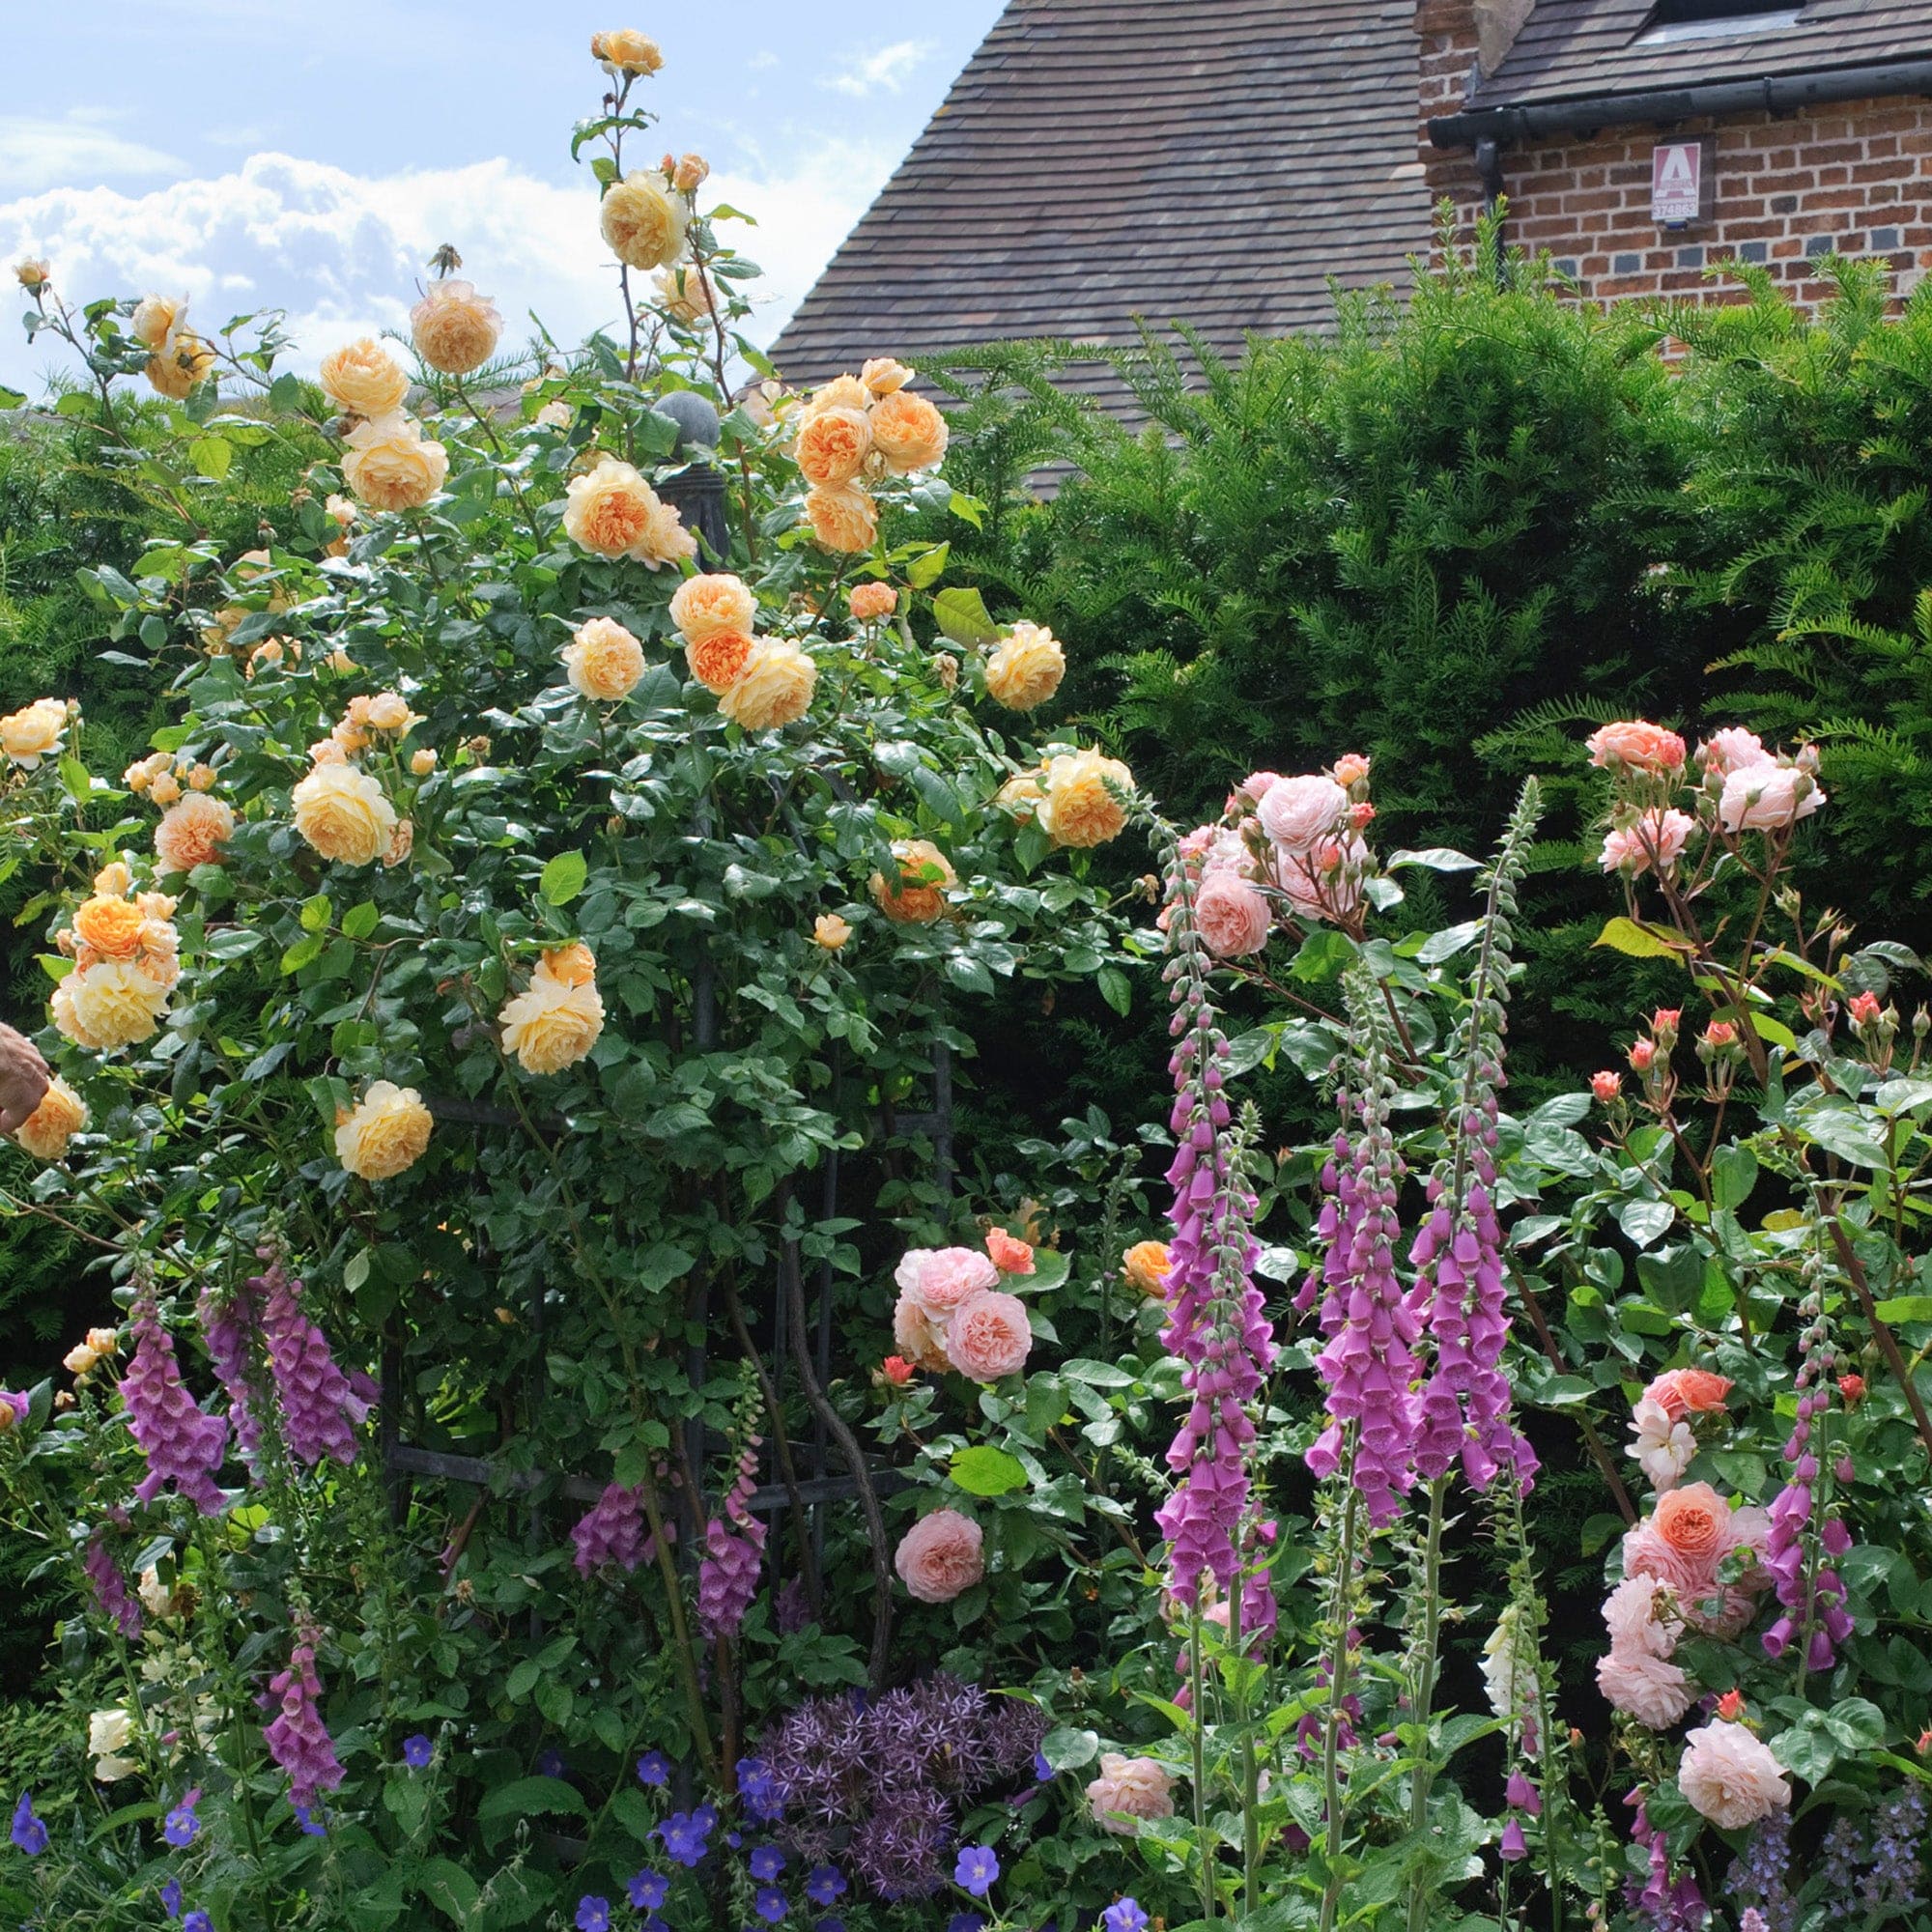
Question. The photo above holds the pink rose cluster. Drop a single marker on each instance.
(951, 1313)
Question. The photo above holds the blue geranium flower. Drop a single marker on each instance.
(975, 1871)
(181, 1825)
(594, 1915)
(171, 1898)
(417, 1752)
(1125, 1915)
(770, 1904)
(648, 1890)
(824, 1883)
(654, 1770)
(29, 1833)
(766, 1863)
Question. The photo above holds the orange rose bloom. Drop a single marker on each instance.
(1688, 1391)
(908, 432)
(1008, 1252)
(1637, 745)
(834, 444)
(112, 927)
(1693, 1521)
(872, 600)
(572, 965)
(842, 516)
(718, 661)
(704, 606)
(914, 900)
(1147, 1265)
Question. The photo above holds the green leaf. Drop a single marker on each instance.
(74, 780)
(1099, 1374)
(962, 614)
(1640, 942)
(926, 571)
(1905, 1308)
(1809, 1750)
(212, 455)
(1450, 941)
(1434, 858)
(1645, 1221)
(302, 953)
(563, 877)
(315, 913)
(450, 1888)
(360, 920)
(986, 1471)
(522, 1796)
(969, 509)
(1116, 989)
(1733, 1176)
(1067, 1748)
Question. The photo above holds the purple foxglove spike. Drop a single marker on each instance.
(296, 1737)
(612, 1531)
(182, 1445)
(320, 1411)
(110, 1586)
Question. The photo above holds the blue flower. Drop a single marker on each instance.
(705, 1818)
(967, 1921)
(770, 1904)
(594, 1915)
(830, 1925)
(30, 1834)
(552, 1764)
(759, 1790)
(197, 1922)
(310, 1823)
(417, 1752)
(683, 1833)
(766, 1863)
(734, 1840)
(975, 1871)
(648, 1890)
(1125, 1915)
(824, 1883)
(1042, 1771)
(171, 1898)
(654, 1770)
(181, 1825)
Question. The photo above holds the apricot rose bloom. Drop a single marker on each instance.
(343, 814)
(155, 318)
(843, 517)
(604, 661)
(871, 601)
(1657, 838)
(1637, 745)
(113, 1003)
(390, 467)
(843, 392)
(644, 222)
(385, 1133)
(625, 50)
(719, 659)
(919, 1334)
(883, 376)
(684, 294)
(1009, 1253)
(361, 379)
(553, 1024)
(832, 446)
(918, 897)
(908, 432)
(1079, 810)
(773, 687)
(572, 965)
(179, 366)
(1129, 1790)
(61, 1115)
(1687, 1391)
(830, 932)
(29, 734)
(940, 1556)
(1027, 669)
(454, 328)
(192, 833)
(1147, 1265)
(612, 511)
(705, 605)
(109, 925)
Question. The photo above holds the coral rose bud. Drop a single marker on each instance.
(1351, 770)
(897, 1371)
(1643, 1055)
(1864, 1009)
(1607, 1085)
(1853, 1389)
(1732, 1706)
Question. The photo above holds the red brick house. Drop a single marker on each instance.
(1229, 163)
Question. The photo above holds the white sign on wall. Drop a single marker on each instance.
(1679, 182)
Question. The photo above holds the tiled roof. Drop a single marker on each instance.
(1577, 50)
(1102, 160)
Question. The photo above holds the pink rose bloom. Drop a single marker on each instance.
(1768, 798)
(1350, 769)
(1637, 745)
(1127, 1790)
(1729, 1776)
(1232, 917)
(1682, 1392)
(940, 1556)
(1327, 882)
(1646, 1553)
(918, 1336)
(1225, 852)
(1256, 785)
(990, 1336)
(1652, 1689)
(1663, 1447)
(1658, 839)
(1630, 1615)
(943, 1278)
(1201, 840)
(1732, 750)
(1299, 813)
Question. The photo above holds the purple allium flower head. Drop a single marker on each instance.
(197, 1922)
(649, 1889)
(182, 1445)
(417, 1750)
(1216, 1320)
(1125, 1915)
(825, 1885)
(297, 1739)
(180, 1825)
(29, 1834)
(110, 1586)
(171, 1898)
(976, 1869)
(612, 1531)
(654, 1770)
(552, 1763)
(766, 1863)
(770, 1904)
(793, 1608)
(320, 1411)
(593, 1913)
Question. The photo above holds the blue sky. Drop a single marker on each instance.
(309, 154)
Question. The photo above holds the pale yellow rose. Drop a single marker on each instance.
(556, 414)
(79, 1359)
(604, 661)
(363, 379)
(386, 1132)
(61, 1115)
(109, 1004)
(201, 777)
(775, 687)
(625, 50)
(553, 1024)
(690, 174)
(390, 467)
(113, 879)
(422, 762)
(402, 843)
(105, 1340)
(156, 319)
(29, 734)
(843, 392)
(884, 377)
(684, 294)
(179, 368)
(1026, 670)
(644, 222)
(830, 931)
(1021, 795)
(908, 432)
(1078, 809)
(918, 896)
(192, 833)
(389, 711)
(842, 516)
(32, 273)
(343, 814)
(706, 605)
(454, 328)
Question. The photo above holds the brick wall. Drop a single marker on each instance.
(1850, 179)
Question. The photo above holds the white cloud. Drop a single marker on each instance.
(36, 152)
(886, 68)
(343, 253)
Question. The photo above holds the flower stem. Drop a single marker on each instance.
(1338, 1686)
(1197, 1681)
(1423, 1887)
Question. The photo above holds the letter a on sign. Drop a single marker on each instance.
(1676, 182)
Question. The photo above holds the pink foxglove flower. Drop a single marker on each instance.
(110, 1586)
(320, 1409)
(182, 1445)
(734, 1547)
(612, 1531)
(296, 1737)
